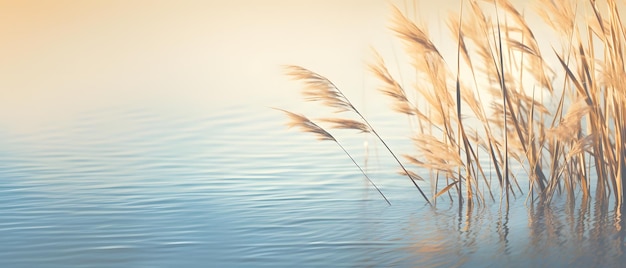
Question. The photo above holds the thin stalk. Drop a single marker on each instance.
(394, 157)
(306, 125)
(382, 141)
(458, 112)
(362, 171)
(504, 105)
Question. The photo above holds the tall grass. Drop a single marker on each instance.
(563, 125)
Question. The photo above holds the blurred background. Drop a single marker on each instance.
(60, 58)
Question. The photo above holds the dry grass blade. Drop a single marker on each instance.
(445, 189)
(347, 124)
(411, 174)
(559, 14)
(515, 44)
(572, 77)
(306, 125)
(319, 88)
(584, 144)
(570, 124)
(408, 31)
(438, 155)
(392, 88)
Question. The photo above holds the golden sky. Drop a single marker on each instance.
(61, 57)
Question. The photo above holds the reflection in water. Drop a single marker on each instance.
(439, 241)
(587, 234)
(503, 230)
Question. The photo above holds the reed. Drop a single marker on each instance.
(502, 79)
(306, 125)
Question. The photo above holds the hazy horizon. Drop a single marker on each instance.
(61, 58)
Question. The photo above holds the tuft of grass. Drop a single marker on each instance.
(503, 81)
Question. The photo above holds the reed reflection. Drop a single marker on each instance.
(590, 233)
(451, 236)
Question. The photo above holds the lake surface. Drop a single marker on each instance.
(142, 187)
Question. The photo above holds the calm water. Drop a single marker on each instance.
(146, 188)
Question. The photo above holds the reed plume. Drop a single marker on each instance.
(319, 88)
(562, 123)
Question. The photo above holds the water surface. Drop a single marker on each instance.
(139, 187)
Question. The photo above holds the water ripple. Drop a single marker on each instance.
(143, 188)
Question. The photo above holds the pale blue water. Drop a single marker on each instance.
(139, 187)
